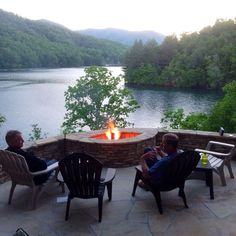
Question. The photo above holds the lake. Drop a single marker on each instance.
(36, 96)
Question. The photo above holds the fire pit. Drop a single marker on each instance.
(122, 152)
(123, 135)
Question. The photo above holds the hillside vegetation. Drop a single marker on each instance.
(199, 60)
(28, 44)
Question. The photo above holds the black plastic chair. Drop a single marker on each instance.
(82, 175)
(174, 177)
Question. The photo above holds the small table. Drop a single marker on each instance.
(204, 172)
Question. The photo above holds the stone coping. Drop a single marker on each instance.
(197, 132)
(145, 132)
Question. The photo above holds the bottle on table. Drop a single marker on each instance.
(204, 159)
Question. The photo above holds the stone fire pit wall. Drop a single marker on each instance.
(112, 153)
(123, 154)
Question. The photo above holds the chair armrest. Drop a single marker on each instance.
(110, 175)
(212, 153)
(49, 168)
(210, 143)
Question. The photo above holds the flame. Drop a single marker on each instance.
(112, 131)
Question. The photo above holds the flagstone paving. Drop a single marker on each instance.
(124, 215)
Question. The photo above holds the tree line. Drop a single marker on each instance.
(33, 44)
(198, 60)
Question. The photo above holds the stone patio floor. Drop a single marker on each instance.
(124, 215)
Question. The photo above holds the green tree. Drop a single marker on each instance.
(173, 119)
(167, 50)
(224, 112)
(96, 97)
(36, 133)
(178, 120)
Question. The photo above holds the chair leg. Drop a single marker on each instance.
(61, 183)
(100, 201)
(35, 196)
(182, 194)
(137, 178)
(68, 207)
(157, 195)
(228, 164)
(109, 191)
(13, 185)
(222, 175)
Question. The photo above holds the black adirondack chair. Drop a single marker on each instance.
(82, 175)
(174, 177)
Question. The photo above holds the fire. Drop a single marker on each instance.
(112, 131)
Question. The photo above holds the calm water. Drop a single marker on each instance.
(37, 96)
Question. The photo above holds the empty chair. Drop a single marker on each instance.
(218, 159)
(16, 167)
(175, 175)
(83, 176)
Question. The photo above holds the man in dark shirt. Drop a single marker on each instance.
(15, 142)
(153, 169)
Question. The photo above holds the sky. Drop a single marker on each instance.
(165, 16)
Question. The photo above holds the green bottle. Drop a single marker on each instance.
(204, 159)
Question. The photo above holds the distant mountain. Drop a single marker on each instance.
(27, 43)
(123, 36)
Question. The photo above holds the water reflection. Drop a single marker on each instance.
(154, 102)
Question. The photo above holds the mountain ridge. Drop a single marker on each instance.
(126, 37)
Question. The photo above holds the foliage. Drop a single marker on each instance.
(178, 120)
(2, 119)
(96, 97)
(173, 119)
(33, 44)
(199, 60)
(223, 114)
(36, 133)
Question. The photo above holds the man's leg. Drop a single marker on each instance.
(150, 163)
(50, 162)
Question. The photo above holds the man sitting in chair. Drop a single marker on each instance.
(153, 169)
(15, 142)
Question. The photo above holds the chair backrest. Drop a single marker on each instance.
(17, 168)
(230, 148)
(82, 174)
(179, 169)
(232, 154)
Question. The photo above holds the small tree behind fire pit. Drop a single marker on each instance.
(96, 97)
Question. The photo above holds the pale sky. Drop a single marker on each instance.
(165, 16)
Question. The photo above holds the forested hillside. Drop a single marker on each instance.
(124, 36)
(28, 44)
(199, 60)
